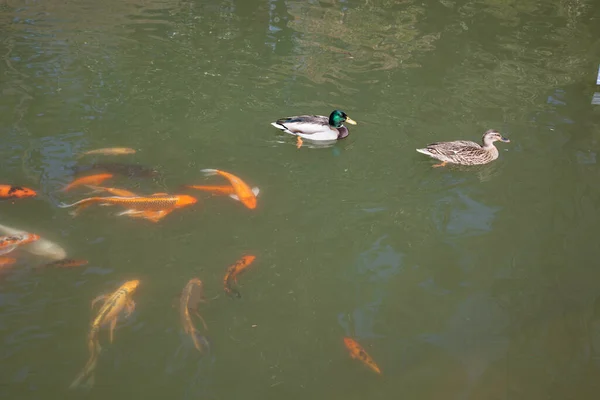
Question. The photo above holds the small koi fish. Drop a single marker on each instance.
(109, 151)
(9, 243)
(88, 180)
(357, 352)
(233, 271)
(191, 296)
(11, 192)
(67, 263)
(243, 192)
(138, 204)
(113, 305)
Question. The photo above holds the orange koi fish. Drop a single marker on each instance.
(158, 204)
(191, 296)
(113, 305)
(113, 191)
(242, 193)
(67, 263)
(153, 216)
(11, 192)
(221, 190)
(88, 180)
(356, 351)
(232, 273)
(9, 243)
(7, 262)
(109, 151)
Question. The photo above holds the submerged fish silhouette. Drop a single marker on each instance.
(129, 170)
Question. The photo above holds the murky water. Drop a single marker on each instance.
(461, 283)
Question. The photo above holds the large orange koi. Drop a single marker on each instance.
(153, 216)
(158, 205)
(243, 192)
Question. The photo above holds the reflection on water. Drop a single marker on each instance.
(475, 335)
(459, 215)
(334, 42)
(373, 269)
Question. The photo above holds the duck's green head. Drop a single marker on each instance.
(337, 118)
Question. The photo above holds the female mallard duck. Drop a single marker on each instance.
(316, 127)
(465, 152)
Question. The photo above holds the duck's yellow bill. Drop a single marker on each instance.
(350, 121)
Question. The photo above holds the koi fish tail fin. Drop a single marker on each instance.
(76, 211)
(201, 343)
(87, 374)
(87, 371)
(232, 292)
(94, 343)
(209, 172)
(78, 380)
(81, 204)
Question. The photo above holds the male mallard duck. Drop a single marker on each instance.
(316, 127)
(465, 152)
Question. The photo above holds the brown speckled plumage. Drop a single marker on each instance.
(465, 152)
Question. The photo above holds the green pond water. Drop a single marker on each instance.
(462, 283)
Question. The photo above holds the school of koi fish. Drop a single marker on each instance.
(153, 207)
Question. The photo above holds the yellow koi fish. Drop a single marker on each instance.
(191, 296)
(113, 305)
